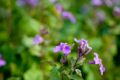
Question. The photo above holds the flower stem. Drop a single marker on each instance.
(62, 70)
(75, 63)
(68, 62)
(82, 63)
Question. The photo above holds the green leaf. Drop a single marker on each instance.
(52, 21)
(54, 74)
(64, 72)
(116, 30)
(27, 41)
(72, 61)
(30, 25)
(33, 74)
(35, 50)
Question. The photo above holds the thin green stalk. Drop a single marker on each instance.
(75, 64)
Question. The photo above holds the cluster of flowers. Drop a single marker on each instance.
(65, 14)
(109, 3)
(81, 51)
(2, 62)
(58, 7)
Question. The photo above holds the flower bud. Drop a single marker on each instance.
(91, 62)
(80, 51)
(88, 50)
(43, 31)
(63, 61)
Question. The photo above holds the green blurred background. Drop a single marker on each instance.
(20, 24)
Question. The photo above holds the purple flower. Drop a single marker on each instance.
(63, 46)
(102, 69)
(59, 8)
(33, 3)
(108, 3)
(98, 61)
(69, 15)
(52, 0)
(116, 11)
(2, 62)
(37, 39)
(83, 42)
(96, 2)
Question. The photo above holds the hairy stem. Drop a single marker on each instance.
(75, 63)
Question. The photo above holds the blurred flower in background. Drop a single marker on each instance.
(37, 39)
(108, 3)
(32, 3)
(2, 62)
(43, 31)
(100, 15)
(59, 8)
(96, 2)
(69, 15)
(116, 12)
(52, 0)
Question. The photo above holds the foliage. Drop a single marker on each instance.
(25, 61)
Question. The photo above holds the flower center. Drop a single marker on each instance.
(64, 46)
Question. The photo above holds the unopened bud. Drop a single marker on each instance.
(91, 62)
(43, 31)
(63, 61)
(88, 50)
(82, 58)
(80, 51)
